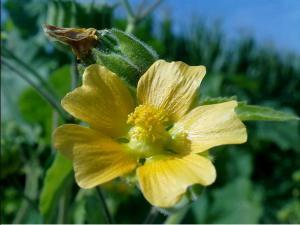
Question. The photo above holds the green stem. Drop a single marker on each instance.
(92, 5)
(46, 95)
(31, 70)
(177, 217)
(64, 202)
(128, 9)
(62, 205)
(30, 190)
(149, 9)
(55, 122)
(131, 25)
(75, 77)
(133, 19)
(153, 213)
(106, 212)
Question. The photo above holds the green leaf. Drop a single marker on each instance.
(285, 135)
(254, 112)
(56, 177)
(290, 213)
(200, 208)
(214, 100)
(30, 99)
(93, 208)
(78, 207)
(237, 202)
(61, 79)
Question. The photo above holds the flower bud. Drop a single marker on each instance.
(138, 52)
(120, 52)
(118, 64)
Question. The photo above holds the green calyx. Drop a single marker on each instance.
(123, 54)
(120, 52)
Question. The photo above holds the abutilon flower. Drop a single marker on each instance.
(157, 134)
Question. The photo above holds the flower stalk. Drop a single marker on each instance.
(108, 217)
(152, 215)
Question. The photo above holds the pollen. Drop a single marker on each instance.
(149, 124)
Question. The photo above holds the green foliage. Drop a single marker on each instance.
(258, 182)
(61, 80)
(91, 203)
(254, 112)
(30, 99)
(55, 181)
(71, 14)
(123, 54)
(290, 213)
(285, 135)
(236, 202)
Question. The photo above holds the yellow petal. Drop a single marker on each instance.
(68, 135)
(164, 181)
(212, 125)
(103, 101)
(170, 86)
(97, 158)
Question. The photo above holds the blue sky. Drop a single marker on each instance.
(272, 22)
(275, 22)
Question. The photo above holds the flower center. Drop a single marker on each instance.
(149, 124)
(148, 134)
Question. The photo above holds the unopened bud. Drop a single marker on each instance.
(120, 52)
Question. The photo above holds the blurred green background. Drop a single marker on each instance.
(258, 182)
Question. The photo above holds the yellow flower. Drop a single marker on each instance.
(155, 134)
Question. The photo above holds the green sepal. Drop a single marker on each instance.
(122, 53)
(118, 64)
(137, 51)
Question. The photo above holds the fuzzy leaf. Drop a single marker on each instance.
(254, 112)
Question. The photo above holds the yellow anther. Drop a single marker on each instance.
(149, 135)
(147, 116)
(149, 124)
